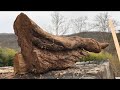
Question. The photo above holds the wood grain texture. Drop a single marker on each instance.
(112, 28)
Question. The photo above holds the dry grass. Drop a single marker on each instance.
(115, 65)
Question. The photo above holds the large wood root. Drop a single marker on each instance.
(43, 52)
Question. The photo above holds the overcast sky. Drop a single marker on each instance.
(43, 18)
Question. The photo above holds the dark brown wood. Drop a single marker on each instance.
(43, 52)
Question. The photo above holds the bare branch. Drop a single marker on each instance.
(101, 22)
(59, 25)
(79, 23)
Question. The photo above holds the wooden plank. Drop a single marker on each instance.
(112, 28)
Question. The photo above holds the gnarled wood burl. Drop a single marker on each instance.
(43, 52)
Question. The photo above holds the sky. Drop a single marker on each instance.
(43, 18)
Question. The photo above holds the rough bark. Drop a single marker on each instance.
(19, 64)
(43, 52)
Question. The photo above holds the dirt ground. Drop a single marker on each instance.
(6, 72)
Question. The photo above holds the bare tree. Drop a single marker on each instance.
(80, 23)
(101, 22)
(59, 24)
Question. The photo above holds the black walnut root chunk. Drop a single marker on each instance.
(43, 52)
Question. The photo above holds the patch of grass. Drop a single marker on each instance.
(115, 65)
(7, 56)
(97, 56)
